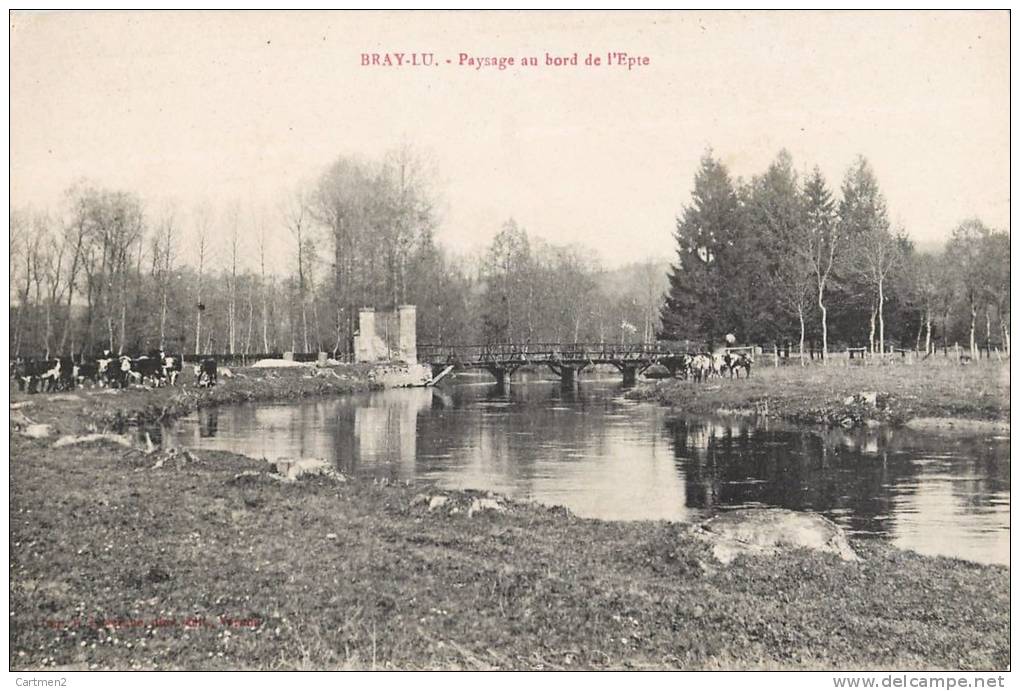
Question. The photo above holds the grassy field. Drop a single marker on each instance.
(819, 394)
(122, 559)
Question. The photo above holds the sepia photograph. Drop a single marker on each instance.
(510, 341)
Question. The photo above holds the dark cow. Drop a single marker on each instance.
(144, 370)
(86, 371)
(19, 373)
(108, 370)
(18, 367)
(121, 372)
(205, 372)
(37, 375)
(49, 377)
(65, 375)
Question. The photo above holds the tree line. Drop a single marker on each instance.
(782, 257)
(779, 257)
(101, 270)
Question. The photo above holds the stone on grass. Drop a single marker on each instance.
(437, 501)
(70, 439)
(769, 531)
(484, 504)
(37, 431)
(292, 469)
(276, 362)
(868, 398)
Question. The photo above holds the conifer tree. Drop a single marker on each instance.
(705, 231)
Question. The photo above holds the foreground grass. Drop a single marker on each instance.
(351, 575)
(120, 562)
(818, 394)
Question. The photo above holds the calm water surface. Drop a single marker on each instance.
(602, 456)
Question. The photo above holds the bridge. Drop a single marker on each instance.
(565, 360)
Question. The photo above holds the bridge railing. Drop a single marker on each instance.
(544, 352)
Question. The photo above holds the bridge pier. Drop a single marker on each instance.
(566, 373)
(568, 376)
(629, 375)
(502, 381)
(502, 377)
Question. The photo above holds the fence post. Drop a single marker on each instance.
(775, 356)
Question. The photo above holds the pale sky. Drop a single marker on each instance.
(225, 106)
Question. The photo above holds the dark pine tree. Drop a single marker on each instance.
(767, 272)
(694, 303)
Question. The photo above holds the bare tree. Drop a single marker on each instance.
(821, 243)
(26, 244)
(310, 274)
(295, 214)
(997, 280)
(118, 224)
(52, 252)
(653, 288)
(202, 220)
(926, 275)
(405, 187)
(506, 269)
(251, 315)
(76, 236)
(876, 251)
(967, 251)
(233, 221)
(165, 253)
(261, 234)
(339, 204)
(879, 254)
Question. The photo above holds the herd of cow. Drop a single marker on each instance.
(703, 366)
(115, 371)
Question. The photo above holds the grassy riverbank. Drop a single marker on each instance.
(114, 409)
(124, 559)
(821, 394)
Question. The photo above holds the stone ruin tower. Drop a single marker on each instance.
(389, 335)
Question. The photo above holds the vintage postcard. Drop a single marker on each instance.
(511, 340)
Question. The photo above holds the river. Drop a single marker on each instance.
(603, 456)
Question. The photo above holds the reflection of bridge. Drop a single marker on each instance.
(564, 359)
